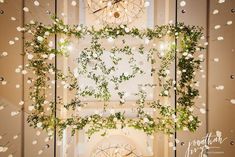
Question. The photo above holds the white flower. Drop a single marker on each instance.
(146, 41)
(79, 108)
(218, 133)
(62, 40)
(206, 43)
(13, 18)
(44, 56)
(146, 120)
(31, 22)
(127, 30)
(19, 28)
(75, 72)
(110, 39)
(112, 111)
(30, 56)
(40, 152)
(46, 139)
(185, 128)
(50, 44)
(47, 33)
(115, 119)
(65, 30)
(30, 108)
(167, 72)
(126, 74)
(185, 53)
(51, 71)
(17, 70)
(45, 102)
(202, 110)
(40, 39)
(178, 72)
(50, 133)
(51, 56)
(38, 133)
(14, 113)
(15, 137)
(95, 55)
(171, 144)
(190, 56)
(24, 72)
(39, 124)
(34, 142)
(146, 4)
(29, 81)
(79, 28)
(190, 118)
(166, 92)
(201, 56)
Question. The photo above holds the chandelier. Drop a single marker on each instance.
(117, 11)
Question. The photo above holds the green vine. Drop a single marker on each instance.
(41, 53)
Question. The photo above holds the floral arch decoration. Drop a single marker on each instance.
(167, 118)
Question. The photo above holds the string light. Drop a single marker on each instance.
(146, 4)
(221, 1)
(229, 22)
(4, 54)
(217, 27)
(73, 3)
(216, 59)
(232, 101)
(182, 3)
(14, 113)
(13, 18)
(36, 3)
(220, 38)
(219, 87)
(215, 11)
(26, 9)
(1, 107)
(4, 82)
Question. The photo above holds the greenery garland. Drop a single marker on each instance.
(40, 54)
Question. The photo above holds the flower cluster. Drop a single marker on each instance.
(165, 117)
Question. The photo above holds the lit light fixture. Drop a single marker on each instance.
(117, 11)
